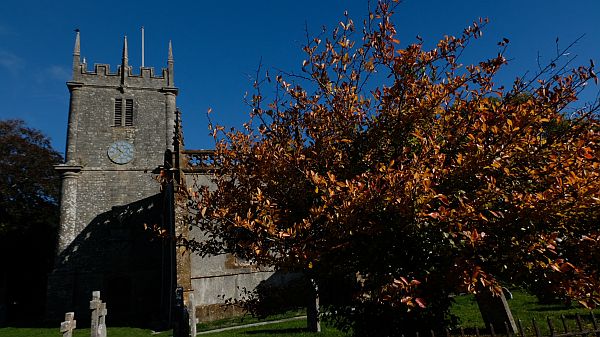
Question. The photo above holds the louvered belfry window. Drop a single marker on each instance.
(118, 111)
(119, 120)
(128, 112)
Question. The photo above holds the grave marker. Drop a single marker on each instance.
(312, 310)
(102, 320)
(99, 312)
(67, 327)
(193, 321)
(495, 311)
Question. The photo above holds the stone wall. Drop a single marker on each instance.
(101, 183)
(117, 255)
(216, 278)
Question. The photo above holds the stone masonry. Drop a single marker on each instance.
(108, 203)
(99, 194)
(100, 183)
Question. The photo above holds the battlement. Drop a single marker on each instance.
(124, 77)
(103, 69)
(101, 74)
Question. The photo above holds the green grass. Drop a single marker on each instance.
(54, 332)
(247, 319)
(135, 332)
(524, 307)
(296, 328)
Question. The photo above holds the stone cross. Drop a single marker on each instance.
(193, 321)
(99, 312)
(67, 327)
(102, 320)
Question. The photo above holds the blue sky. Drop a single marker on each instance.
(218, 45)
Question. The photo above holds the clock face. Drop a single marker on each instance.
(120, 152)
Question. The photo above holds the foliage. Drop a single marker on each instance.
(29, 186)
(29, 190)
(394, 177)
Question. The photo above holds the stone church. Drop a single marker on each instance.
(123, 128)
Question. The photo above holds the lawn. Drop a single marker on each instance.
(247, 319)
(54, 332)
(296, 328)
(523, 306)
(526, 308)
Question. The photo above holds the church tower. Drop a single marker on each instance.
(120, 124)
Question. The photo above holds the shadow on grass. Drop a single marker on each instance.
(33, 324)
(553, 307)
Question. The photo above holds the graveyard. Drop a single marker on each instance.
(568, 320)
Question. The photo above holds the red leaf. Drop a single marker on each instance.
(434, 215)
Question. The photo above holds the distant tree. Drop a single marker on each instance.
(29, 185)
(29, 192)
(394, 177)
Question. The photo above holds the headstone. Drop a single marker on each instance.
(181, 326)
(495, 311)
(67, 327)
(95, 307)
(99, 312)
(312, 310)
(193, 321)
(102, 320)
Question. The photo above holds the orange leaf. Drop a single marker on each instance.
(434, 215)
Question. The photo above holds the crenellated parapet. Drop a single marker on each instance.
(124, 76)
(102, 75)
(104, 70)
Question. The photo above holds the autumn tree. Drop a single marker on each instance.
(395, 176)
(29, 191)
